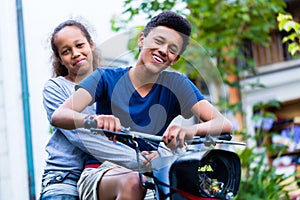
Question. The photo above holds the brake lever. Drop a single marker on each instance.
(122, 137)
(209, 141)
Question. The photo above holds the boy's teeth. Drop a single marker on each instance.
(158, 59)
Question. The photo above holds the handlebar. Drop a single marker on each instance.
(127, 136)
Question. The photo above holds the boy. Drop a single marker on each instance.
(145, 97)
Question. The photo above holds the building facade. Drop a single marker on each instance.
(277, 71)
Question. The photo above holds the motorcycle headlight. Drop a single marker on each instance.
(212, 174)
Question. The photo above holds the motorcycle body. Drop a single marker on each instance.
(194, 174)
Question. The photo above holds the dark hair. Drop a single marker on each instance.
(58, 68)
(174, 21)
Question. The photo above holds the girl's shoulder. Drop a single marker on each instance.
(59, 81)
(58, 86)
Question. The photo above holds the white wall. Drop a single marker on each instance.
(40, 18)
(13, 171)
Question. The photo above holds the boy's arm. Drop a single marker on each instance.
(212, 122)
(68, 115)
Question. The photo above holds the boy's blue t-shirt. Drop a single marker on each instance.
(173, 94)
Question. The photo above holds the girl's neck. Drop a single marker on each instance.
(76, 79)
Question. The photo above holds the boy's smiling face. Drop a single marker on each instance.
(160, 48)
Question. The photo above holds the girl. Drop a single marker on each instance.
(74, 58)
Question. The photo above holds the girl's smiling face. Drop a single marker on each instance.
(75, 51)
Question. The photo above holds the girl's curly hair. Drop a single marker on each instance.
(58, 68)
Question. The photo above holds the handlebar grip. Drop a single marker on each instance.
(89, 123)
(225, 136)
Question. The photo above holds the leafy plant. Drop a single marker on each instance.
(286, 23)
(260, 180)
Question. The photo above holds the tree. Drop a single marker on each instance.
(221, 28)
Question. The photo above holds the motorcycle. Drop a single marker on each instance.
(198, 172)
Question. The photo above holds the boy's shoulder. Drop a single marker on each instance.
(172, 74)
(111, 69)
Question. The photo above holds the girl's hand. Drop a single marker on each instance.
(175, 136)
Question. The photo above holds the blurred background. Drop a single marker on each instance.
(252, 75)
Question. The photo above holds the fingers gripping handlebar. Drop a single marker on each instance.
(88, 123)
(126, 136)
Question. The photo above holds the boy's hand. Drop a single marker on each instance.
(149, 156)
(175, 136)
(108, 122)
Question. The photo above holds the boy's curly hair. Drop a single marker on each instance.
(174, 21)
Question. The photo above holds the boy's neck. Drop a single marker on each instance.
(141, 81)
